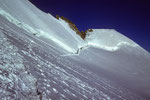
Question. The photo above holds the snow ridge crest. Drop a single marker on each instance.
(108, 39)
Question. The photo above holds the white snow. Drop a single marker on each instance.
(45, 26)
(35, 67)
(23, 14)
(73, 33)
(38, 32)
(17, 22)
(108, 39)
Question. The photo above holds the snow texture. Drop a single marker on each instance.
(41, 58)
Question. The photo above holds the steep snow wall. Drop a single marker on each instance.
(23, 14)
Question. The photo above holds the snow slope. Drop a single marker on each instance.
(41, 58)
(45, 26)
(25, 15)
(108, 39)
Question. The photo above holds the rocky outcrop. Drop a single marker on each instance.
(74, 27)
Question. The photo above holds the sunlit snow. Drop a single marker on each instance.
(108, 39)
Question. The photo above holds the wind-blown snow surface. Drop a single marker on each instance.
(37, 67)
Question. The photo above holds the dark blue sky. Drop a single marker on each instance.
(130, 17)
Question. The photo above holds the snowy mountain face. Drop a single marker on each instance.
(31, 19)
(42, 58)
